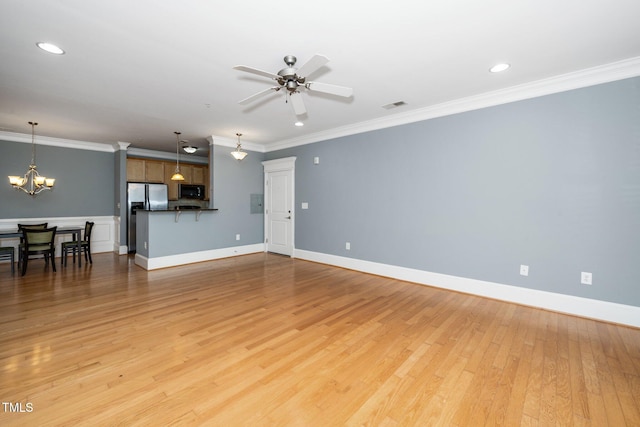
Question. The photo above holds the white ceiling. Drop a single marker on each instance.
(136, 71)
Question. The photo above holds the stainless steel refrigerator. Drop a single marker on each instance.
(143, 196)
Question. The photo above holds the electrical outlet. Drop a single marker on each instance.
(237, 237)
(347, 246)
(586, 278)
(145, 245)
(524, 270)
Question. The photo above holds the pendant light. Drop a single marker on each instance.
(238, 154)
(177, 176)
(190, 149)
(32, 182)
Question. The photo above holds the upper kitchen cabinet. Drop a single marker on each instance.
(199, 174)
(154, 171)
(135, 170)
(160, 171)
(144, 170)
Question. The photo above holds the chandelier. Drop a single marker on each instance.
(238, 154)
(32, 182)
(177, 176)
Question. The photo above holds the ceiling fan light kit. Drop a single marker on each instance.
(294, 80)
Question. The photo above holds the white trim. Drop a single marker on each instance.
(278, 165)
(578, 306)
(193, 257)
(589, 77)
(58, 142)
(282, 164)
(232, 143)
(102, 236)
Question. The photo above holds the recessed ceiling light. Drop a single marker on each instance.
(51, 48)
(299, 124)
(499, 67)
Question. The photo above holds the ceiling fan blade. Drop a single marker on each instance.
(256, 71)
(259, 94)
(297, 103)
(331, 89)
(312, 65)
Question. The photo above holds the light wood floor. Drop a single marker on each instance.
(264, 340)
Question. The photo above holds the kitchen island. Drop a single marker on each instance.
(173, 237)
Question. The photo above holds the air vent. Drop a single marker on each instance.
(394, 105)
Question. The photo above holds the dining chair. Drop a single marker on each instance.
(85, 246)
(30, 227)
(38, 242)
(8, 252)
(34, 226)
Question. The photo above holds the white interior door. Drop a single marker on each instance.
(279, 206)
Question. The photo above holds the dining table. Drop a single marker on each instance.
(75, 231)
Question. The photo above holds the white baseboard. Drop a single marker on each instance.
(189, 258)
(578, 306)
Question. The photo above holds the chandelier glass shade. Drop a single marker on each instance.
(32, 182)
(177, 176)
(238, 154)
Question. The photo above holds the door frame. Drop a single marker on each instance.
(279, 165)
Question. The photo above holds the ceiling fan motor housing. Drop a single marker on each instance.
(288, 77)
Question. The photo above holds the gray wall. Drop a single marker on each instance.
(233, 184)
(551, 182)
(84, 182)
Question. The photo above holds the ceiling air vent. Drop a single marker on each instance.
(394, 105)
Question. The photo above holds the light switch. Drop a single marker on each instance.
(305, 205)
(316, 160)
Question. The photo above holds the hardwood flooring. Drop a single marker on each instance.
(263, 340)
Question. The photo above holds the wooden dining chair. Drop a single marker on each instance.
(8, 252)
(29, 227)
(34, 226)
(38, 242)
(85, 246)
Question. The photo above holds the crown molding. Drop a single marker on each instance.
(589, 77)
(231, 142)
(58, 142)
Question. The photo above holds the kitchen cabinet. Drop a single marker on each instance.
(160, 171)
(135, 170)
(154, 171)
(199, 174)
(144, 170)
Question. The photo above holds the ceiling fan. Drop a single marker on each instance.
(294, 80)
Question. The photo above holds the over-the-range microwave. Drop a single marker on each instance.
(191, 191)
